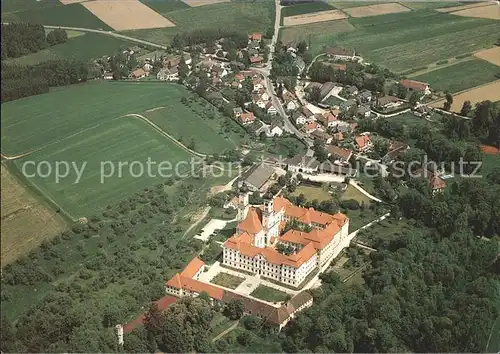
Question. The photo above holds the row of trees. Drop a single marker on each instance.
(209, 36)
(23, 81)
(19, 39)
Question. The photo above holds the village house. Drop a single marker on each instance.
(258, 84)
(348, 104)
(336, 169)
(364, 111)
(396, 149)
(302, 164)
(167, 74)
(329, 119)
(337, 137)
(290, 101)
(299, 118)
(363, 143)
(237, 112)
(247, 118)
(147, 67)
(365, 96)
(255, 37)
(436, 183)
(340, 53)
(276, 129)
(219, 71)
(416, 86)
(322, 136)
(387, 102)
(351, 90)
(256, 59)
(257, 177)
(270, 109)
(138, 74)
(308, 114)
(108, 75)
(339, 155)
(309, 127)
(257, 100)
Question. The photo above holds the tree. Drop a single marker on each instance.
(314, 95)
(244, 338)
(402, 91)
(234, 309)
(466, 109)
(449, 101)
(414, 98)
(302, 47)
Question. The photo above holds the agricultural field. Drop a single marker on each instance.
(375, 10)
(22, 216)
(323, 16)
(74, 15)
(206, 132)
(461, 76)
(316, 32)
(10, 6)
(346, 4)
(240, 17)
(491, 55)
(489, 92)
(429, 4)
(195, 3)
(491, 11)
(103, 148)
(305, 8)
(164, 6)
(462, 7)
(126, 15)
(400, 42)
(101, 131)
(85, 46)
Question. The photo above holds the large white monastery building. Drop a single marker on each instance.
(253, 247)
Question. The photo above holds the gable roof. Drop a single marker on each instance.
(340, 152)
(414, 85)
(180, 282)
(257, 175)
(193, 267)
(382, 101)
(362, 141)
(252, 223)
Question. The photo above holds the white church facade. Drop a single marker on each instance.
(253, 247)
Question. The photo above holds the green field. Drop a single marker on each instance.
(305, 8)
(85, 46)
(164, 6)
(314, 31)
(312, 193)
(461, 76)
(11, 6)
(121, 140)
(430, 4)
(74, 15)
(208, 133)
(240, 17)
(347, 4)
(38, 121)
(406, 40)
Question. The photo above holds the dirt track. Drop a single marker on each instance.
(196, 3)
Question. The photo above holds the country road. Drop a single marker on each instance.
(109, 33)
(288, 125)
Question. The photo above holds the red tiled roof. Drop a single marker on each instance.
(256, 59)
(255, 36)
(338, 151)
(192, 268)
(362, 141)
(247, 116)
(252, 223)
(162, 304)
(414, 85)
(489, 150)
(180, 282)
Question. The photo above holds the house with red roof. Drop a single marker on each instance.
(247, 118)
(363, 143)
(416, 86)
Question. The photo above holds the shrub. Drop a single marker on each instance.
(351, 204)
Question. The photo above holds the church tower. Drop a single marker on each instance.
(269, 220)
(243, 204)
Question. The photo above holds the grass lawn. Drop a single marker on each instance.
(408, 40)
(461, 76)
(109, 143)
(238, 16)
(227, 280)
(22, 216)
(312, 193)
(269, 294)
(386, 230)
(353, 193)
(73, 15)
(219, 324)
(359, 218)
(85, 46)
